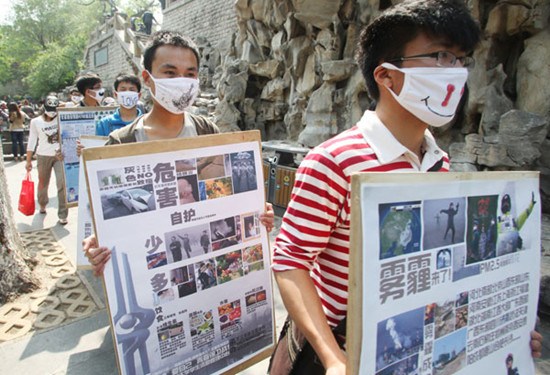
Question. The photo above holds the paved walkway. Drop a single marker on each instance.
(85, 347)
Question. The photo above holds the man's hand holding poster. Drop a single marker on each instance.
(446, 272)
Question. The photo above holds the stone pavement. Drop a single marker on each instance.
(85, 346)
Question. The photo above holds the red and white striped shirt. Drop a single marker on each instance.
(315, 231)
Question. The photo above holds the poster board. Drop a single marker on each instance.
(198, 306)
(74, 122)
(424, 302)
(85, 221)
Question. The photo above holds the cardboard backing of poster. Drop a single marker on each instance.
(85, 221)
(444, 272)
(188, 284)
(74, 122)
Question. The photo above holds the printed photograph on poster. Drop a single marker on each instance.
(187, 243)
(444, 317)
(215, 188)
(253, 259)
(461, 269)
(165, 295)
(211, 167)
(449, 353)
(407, 366)
(202, 328)
(243, 172)
(400, 228)
(230, 318)
(184, 279)
(399, 337)
(251, 224)
(225, 233)
(186, 167)
(171, 331)
(188, 189)
(206, 274)
(444, 259)
(156, 260)
(444, 222)
(128, 202)
(255, 299)
(482, 229)
(511, 219)
(229, 266)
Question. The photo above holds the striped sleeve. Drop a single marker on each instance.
(318, 196)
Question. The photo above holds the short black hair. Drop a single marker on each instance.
(167, 38)
(385, 38)
(87, 82)
(128, 78)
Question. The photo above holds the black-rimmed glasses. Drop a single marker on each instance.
(442, 58)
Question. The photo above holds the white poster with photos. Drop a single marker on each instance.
(445, 271)
(188, 286)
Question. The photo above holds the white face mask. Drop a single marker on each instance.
(76, 98)
(127, 99)
(175, 94)
(431, 94)
(51, 114)
(98, 95)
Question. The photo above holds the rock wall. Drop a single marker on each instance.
(211, 20)
(289, 71)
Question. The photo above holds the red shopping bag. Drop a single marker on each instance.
(26, 198)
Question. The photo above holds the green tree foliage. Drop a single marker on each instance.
(44, 45)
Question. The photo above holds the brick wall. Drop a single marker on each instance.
(117, 59)
(215, 20)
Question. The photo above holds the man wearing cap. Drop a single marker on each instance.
(44, 136)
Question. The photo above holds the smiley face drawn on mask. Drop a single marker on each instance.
(450, 90)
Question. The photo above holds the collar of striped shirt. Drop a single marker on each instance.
(388, 149)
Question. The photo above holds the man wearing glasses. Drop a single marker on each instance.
(414, 58)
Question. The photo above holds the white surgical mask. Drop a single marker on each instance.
(76, 98)
(98, 95)
(127, 99)
(431, 94)
(175, 94)
(51, 114)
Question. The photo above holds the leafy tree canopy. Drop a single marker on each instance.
(43, 46)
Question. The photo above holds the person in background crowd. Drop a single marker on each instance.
(411, 51)
(127, 93)
(44, 136)
(90, 87)
(17, 120)
(75, 98)
(28, 109)
(4, 116)
(148, 19)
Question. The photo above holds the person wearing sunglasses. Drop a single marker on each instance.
(91, 88)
